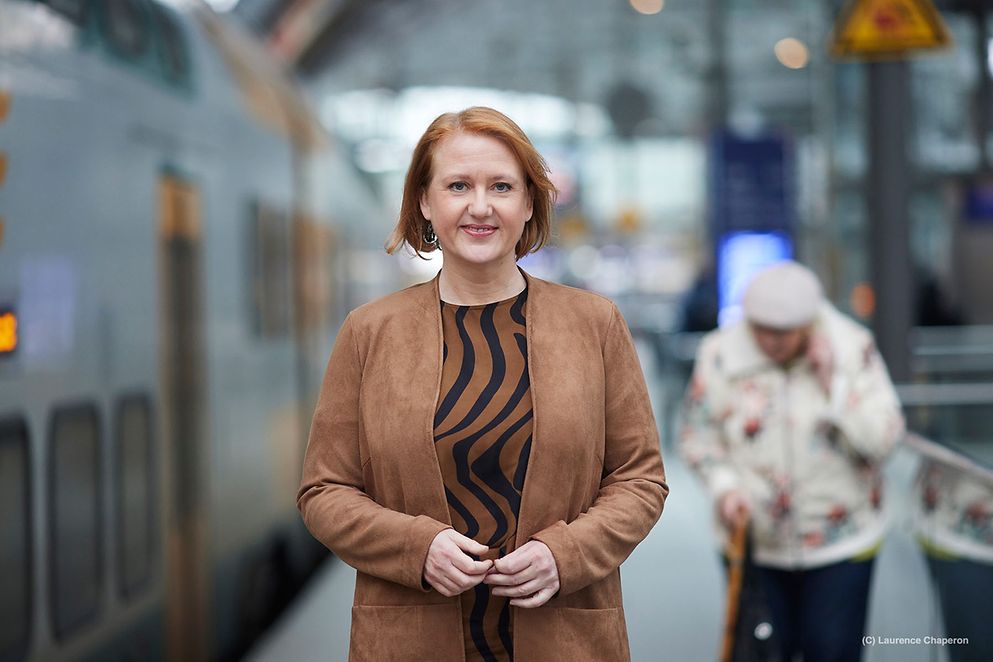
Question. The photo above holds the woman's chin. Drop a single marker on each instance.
(479, 256)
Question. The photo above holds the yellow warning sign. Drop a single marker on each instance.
(888, 28)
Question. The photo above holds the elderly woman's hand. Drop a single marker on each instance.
(528, 575)
(448, 567)
(733, 508)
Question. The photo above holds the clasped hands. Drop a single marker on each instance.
(528, 575)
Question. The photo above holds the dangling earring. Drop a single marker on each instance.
(430, 237)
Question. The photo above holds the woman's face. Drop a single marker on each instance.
(780, 345)
(477, 200)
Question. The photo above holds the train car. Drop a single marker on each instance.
(173, 229)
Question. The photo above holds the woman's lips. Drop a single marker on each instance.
(478, 230)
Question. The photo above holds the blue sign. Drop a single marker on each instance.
(740, 255)
(978, 203)
(752, 205)
(752, 184)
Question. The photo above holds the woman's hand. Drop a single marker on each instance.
(528, 575)
(733, 508)
(448, 567)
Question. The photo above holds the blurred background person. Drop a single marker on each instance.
(700, 305)
(787, 419)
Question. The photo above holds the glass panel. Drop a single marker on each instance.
(955, 354)
(135, 492)
(952, 495)
(75, 518)
(15, 543)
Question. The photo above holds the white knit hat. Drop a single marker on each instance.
(786, 295)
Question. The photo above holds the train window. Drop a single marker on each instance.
(313, 250)
(74, 10)
(135, 481)
(15, 544)
(126, 25)
(173, 55)
(271, 293)
(74, 518)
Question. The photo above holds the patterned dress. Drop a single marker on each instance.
(482, 432)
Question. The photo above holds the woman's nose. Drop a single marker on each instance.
(479, 205)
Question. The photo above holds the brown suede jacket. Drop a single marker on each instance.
(372, 489)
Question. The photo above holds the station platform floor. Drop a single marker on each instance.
(673, 584)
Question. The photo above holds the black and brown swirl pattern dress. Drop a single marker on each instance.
(482, 432)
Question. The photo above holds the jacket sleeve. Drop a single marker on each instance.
(372, 539)
(632, 488)
(701, 439)
(864, 406)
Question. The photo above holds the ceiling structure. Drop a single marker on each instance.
(696, 63)
(671, 72)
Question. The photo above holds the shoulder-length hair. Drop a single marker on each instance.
(411, 226)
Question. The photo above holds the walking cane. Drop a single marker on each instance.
(736, 572)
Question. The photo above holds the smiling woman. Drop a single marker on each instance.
(476, 122)
(484, 451)
(477, 204)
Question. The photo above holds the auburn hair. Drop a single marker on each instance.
(411, 226)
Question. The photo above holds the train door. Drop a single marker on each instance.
(183, 392)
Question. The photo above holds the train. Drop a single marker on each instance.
(175, 231)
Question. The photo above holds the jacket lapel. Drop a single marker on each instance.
(423, 473)
(536, 467)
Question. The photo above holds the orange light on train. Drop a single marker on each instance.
(8, 332)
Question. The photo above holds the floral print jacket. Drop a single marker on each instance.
(807, 460)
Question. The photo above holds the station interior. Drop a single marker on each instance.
(194, 194)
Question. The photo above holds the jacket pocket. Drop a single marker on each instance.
(568, 634)
(409, 633)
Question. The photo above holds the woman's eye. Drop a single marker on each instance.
(502, 187)
(458, 187)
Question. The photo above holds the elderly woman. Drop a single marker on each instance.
(483, 451)
(788, 418)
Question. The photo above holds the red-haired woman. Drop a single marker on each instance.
(483, 451)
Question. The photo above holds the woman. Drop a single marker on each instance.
(483, 451)
(788, 418)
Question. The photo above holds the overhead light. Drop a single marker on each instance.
(648, 7)
(792, 53)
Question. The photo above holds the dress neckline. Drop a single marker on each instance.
(502, 302)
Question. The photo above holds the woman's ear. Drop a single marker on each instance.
(425, 207)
